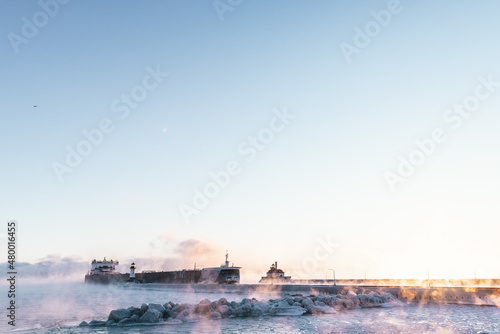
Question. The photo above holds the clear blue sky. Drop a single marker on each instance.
(323, 175)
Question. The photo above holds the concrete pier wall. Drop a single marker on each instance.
(442, 295)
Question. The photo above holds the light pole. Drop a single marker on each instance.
(334, 283)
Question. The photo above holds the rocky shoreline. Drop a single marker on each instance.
(290, 305)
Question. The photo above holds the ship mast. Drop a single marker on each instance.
(227, 262)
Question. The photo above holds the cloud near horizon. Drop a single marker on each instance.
(74, 267)
(52, 265)
(194, 248)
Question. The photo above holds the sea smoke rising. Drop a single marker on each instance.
(295, 305)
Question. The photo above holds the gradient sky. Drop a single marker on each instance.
(321, 178)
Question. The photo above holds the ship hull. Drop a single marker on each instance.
(181, 276)
(106, 279)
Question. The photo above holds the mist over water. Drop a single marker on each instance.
(55, 307)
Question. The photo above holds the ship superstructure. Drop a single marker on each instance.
(275, 275)
(103, 267)
(225, 274)
(104, 272)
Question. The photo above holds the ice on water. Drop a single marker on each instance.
(59, 308)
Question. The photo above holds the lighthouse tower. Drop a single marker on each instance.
(132, 271)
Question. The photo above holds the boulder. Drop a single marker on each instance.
(319, 303)
(308, 304)
(355, 300)
(119, 314)
(351, 294)
(224, 311)
(246, 301)
(110, 323)
(143, 309)
(202, 308)
(179, 308)
(311, 307)
(222, 301)
(169, 313)
(369, 300)
(345, 303)
(387, 296)
(97, 323)
(182, 315)
(157, 307)
(260, 308)
(214, 315)
(339, 302)
(134, 310)
(282, 303)
(151, 316)
(275, 306)
(283, 308)
(170, 305)
(364, 298)
(349, 303)
(126, 321)
(327, 300)
(244, 310)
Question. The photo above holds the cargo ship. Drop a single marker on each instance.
(104, 272)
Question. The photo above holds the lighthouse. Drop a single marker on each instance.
(132, 271)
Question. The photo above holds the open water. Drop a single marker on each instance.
(60, 307)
